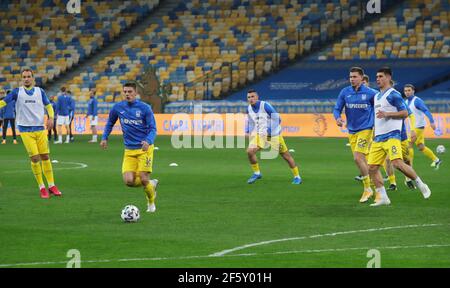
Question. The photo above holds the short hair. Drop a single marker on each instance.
(27, 70)
(366, 78)
(251, 91)
(359, 70)
(386, 70)
(63, 89)
(69, 92)
(410, 86)
(130, 84)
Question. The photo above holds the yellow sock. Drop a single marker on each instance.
(411, 155)
(427, 151)
(48, 172)
(150, 193)
(255, 168)
(37, 171)
(137, 182)
(295, 171)
(366, 182)
(392, 180)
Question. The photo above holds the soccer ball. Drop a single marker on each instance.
(130, 213)
(440, 149)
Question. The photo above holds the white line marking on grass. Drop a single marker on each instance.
(224, 252)
(78, 166)
(234, 255)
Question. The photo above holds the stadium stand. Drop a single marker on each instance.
(205, 48)
(42, 36)
(417, 29)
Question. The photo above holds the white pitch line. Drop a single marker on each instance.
(79, 166)
(224, 252)
(234, 255)
(216, 255)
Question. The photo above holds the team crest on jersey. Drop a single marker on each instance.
(138, 113)
(364, 97)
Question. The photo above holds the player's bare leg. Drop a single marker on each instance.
(251, 154)
(409, 172)
(375, 175)
(361, 163)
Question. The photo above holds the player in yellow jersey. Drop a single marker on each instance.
(265, 131)
(420, 110)
(30, 104)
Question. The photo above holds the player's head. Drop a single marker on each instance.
(366, 80)
(409, 90)
(356, 76)
(252, 97)
(129, 89)
(63, 90)
(92, 92)
(384, 77)
(27, 77)
(2, 93)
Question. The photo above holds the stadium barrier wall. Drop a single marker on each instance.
(293, 125)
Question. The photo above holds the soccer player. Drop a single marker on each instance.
(63, 118)
(139, 131)
(264, 129)
(71, 114)
(420, 110)
(358, 102)
(9, 117)
(92, 114)
(53, 129)
(366, 80)
(31, 102)
(390, 110)
(2, 96)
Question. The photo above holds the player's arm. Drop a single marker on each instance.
(249, 125)
(112, 119)
(337, 111)
(9, 98)
(422, 107)
(49, 108)
(95, 108)
(150, 120)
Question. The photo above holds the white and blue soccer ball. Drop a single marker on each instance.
(440, 149)
(130, 213)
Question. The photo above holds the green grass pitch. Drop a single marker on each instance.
(205, 206)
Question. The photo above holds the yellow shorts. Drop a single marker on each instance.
(35, 142)
(136, 160)
(360, 141)
(276, 142)
(420, 136)
(379, 151)
(405, 149)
